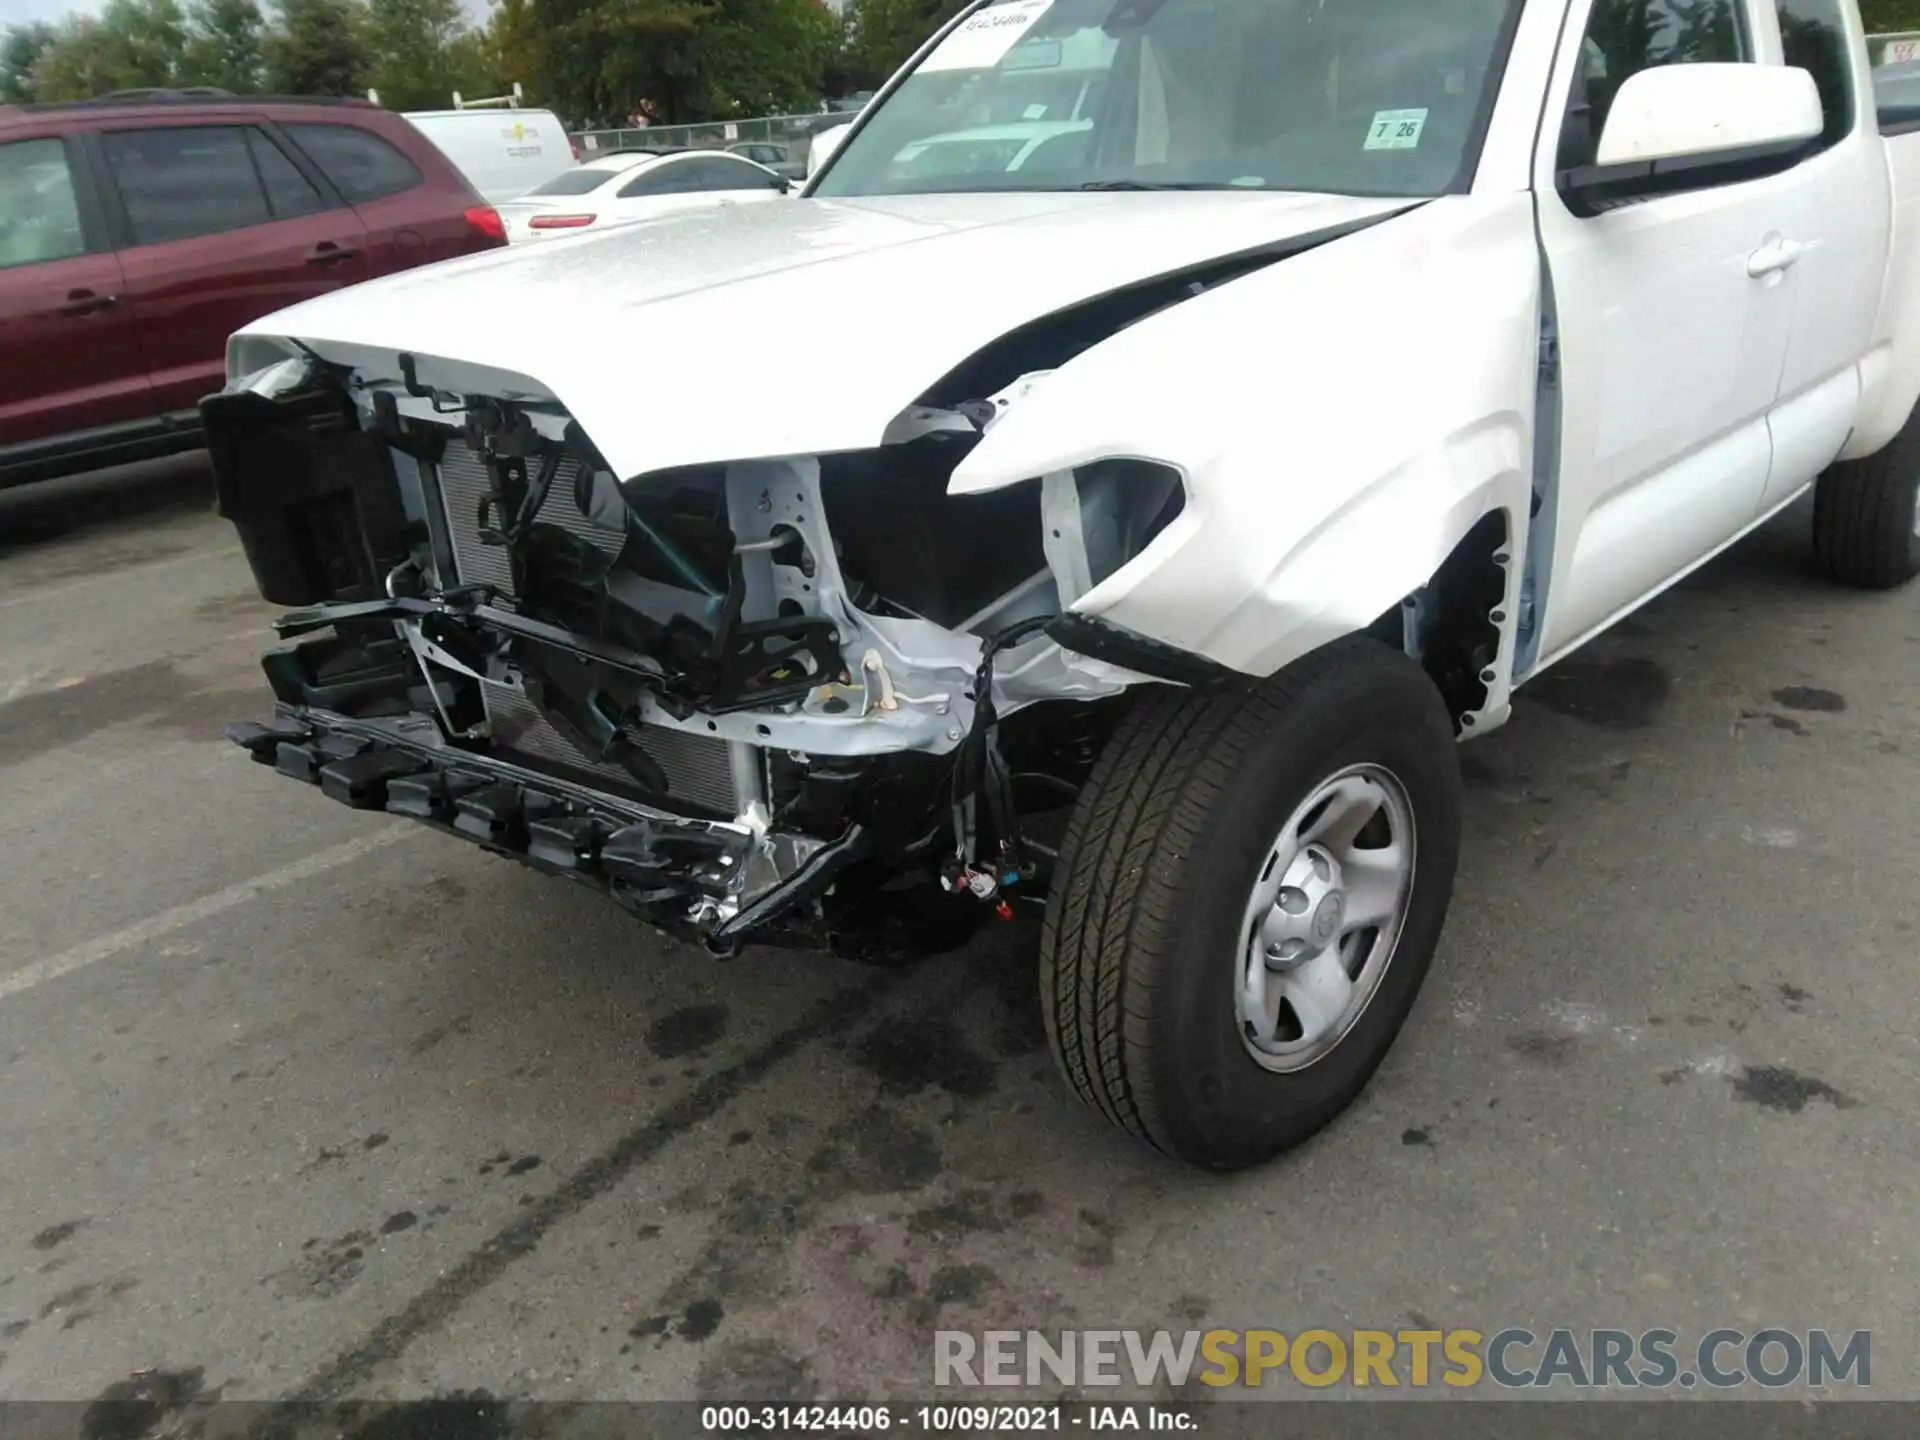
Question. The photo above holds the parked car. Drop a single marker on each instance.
(631, 185)
(136, 235)
(1172, 520)
(821, 147)
(772, 157)
(503, 153)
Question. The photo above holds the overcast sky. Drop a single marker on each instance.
(14, 12)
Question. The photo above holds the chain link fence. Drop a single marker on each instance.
(788, 132)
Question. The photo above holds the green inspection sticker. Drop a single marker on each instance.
(1396, 130)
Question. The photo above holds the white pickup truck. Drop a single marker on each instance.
(1175, 502)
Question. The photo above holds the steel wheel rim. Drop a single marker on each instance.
(1325, 917)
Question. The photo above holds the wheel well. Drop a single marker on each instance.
(1451, 625)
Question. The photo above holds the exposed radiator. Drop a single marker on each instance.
(698, 767)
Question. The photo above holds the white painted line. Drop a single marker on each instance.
(193, 912)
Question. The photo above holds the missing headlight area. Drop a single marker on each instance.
(820, 656)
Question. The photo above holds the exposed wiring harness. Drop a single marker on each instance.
(979, 768)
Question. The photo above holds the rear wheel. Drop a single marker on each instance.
(1248, 898)
(1866, 515)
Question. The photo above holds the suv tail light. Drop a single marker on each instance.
(560, 222)
(485, 220)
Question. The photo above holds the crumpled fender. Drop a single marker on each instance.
(1341, 420)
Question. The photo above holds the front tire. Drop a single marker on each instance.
(1222, 994)
(1866, 515)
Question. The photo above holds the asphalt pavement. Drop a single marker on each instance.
(297, 1102)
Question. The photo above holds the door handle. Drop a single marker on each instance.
(1774, 257)
(85, 302)
(328, 253)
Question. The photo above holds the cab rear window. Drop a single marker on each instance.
(361, 165)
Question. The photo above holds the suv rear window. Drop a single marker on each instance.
(177, 183)
(361, 165)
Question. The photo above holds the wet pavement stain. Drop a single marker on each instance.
(435, 1035)
(755, 1370)
(71, 1298)
(700, 1319)
(360, 1361)
(1774, 1087)
(1192, 1308)
(1098, 1230)
(687, 1031)
(914, 1055)
(1545, 1049)
(325, 1269)
(1806, 697)
(960, 1284)
(135, 1407)
(155, 694)
(57, 1234)
(875, 1153)
(1627, 693)
(972, 1212)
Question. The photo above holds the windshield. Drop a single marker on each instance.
(1359, 97)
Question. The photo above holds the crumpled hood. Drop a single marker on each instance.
(796, 328)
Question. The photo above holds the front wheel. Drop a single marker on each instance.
(1248, 898)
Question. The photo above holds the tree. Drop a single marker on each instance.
(20, 50)
(1887, 16)
(150, 38)
(84, 61)
(320, 48)
(225, 45)
(415, 42)
(761, 57)
(606, 59)
(513, 47)
(882, 34)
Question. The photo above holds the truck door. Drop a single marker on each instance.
(1842, 235)
(1672, 326)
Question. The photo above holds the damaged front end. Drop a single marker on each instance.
(762, 699)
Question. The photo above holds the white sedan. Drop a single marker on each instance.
(636, 185)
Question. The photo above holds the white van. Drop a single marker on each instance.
(503, 153)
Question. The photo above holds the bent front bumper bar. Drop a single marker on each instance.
(719, 882)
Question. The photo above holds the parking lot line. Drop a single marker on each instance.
(154, 927)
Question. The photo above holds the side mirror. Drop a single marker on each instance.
(1685, 127)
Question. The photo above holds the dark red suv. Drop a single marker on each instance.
(138, 233)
